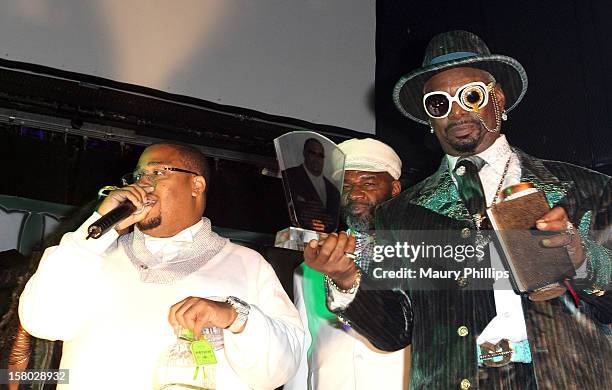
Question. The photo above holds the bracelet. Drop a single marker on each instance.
(20, 352)
(350, 290)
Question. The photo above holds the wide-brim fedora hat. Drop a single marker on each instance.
(456, 49)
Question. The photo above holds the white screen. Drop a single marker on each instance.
(308, 59)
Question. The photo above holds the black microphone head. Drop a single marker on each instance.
(93, 231)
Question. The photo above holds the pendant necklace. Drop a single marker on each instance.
(481, 240)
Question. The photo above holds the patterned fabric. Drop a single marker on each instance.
(364, 248)
(206, 244)
(568, 343)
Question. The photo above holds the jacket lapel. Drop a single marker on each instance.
(533, 171)
(440, 195)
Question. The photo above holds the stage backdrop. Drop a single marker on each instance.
(307, 59)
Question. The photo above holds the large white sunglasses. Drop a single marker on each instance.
(471, 97)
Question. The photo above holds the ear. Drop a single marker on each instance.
(396, 188)
(499, 94)
(198, 186)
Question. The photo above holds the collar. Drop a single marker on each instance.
(312, 177)
(185, 235)
(156, 245)
(494, 156)
(438, 192)
(189, 257)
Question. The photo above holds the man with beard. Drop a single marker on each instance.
(114, 301)
(340, 358)
(469, 332)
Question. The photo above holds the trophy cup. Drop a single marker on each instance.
(312, 168)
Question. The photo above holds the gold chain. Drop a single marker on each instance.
(501, 182)
(479, 218)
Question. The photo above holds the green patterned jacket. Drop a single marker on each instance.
(570, 345)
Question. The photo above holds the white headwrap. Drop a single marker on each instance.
(371, 155)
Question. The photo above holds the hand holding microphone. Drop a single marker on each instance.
(122, 208)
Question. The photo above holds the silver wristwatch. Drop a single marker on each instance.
(242, 309)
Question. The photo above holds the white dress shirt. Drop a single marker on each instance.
(318, 182)
(166, 248)
(339, 357)
(509, 322)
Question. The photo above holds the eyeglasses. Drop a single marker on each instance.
(471, 97)
(153, 175)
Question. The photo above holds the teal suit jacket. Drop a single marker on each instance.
(570, 345)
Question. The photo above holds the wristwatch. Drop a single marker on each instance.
(242, 309)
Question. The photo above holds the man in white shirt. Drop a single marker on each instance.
(340, 358)
(472, 333)
(115, 300)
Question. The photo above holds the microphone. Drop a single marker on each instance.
(110, 219)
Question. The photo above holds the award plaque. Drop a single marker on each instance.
(312, 168)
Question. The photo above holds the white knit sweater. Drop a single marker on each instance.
(115, 327)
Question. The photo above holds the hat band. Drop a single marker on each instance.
(451, 56)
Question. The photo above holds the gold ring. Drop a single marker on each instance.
(351, 256)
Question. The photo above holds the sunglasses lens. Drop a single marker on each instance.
(473, 97)
(436, 105)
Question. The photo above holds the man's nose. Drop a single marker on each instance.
(456, 111)
(147, 180)
(355, 193)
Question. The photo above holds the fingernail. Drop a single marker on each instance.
(541, 224)
(313, 244)
(546, 242)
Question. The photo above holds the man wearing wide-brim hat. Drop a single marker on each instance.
(487, 337)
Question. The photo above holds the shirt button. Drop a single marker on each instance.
(465, 384)
(460, 171)
(462, 331)
(466, 233)
(462, 282)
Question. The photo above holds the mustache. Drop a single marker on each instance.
(347, 206)
(459, 123)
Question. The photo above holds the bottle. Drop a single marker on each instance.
(190, 364)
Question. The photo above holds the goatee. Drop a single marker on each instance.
(468, 144)
(358, 223)
(149, 224)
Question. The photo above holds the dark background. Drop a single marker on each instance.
(564, 46)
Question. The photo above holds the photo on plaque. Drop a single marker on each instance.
(312, 169)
